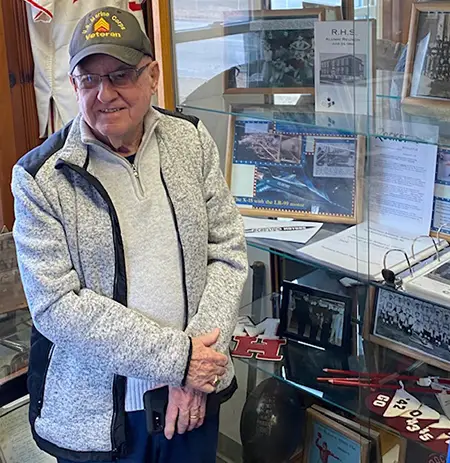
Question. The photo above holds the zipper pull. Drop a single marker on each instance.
(135, 172)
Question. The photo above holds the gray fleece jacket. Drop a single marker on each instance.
(86, 340)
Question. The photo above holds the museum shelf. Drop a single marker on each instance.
(290, 250)
(394, 123)
(302, 364)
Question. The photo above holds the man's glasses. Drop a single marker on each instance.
(121, 79)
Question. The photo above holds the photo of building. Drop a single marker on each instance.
(341, 69)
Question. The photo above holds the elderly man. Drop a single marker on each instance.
(133, 260)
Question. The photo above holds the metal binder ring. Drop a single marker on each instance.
(434, 243)
(397, 250)
(440, 229)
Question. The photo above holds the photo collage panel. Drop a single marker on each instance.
(294, 168)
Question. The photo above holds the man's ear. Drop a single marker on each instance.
(154, 73)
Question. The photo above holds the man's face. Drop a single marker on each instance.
(115, 112)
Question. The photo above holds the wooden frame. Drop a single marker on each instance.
(395, 16)
(317, 297)
(393, 343)
(389, 439)
(325, 422)
(348, 9)
(437, 103)
(159, 11)
(263, 15)
(8, 152)
(355, 203)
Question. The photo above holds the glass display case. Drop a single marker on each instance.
(15, 325)
(331, 119)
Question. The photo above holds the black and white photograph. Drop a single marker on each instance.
(291, 148)
(431, 74)
(427, 74)
(420, 329)
(443, 167)
(279, 53)
(260, 146)
(316, 317)
(340, 69)
(334, 158)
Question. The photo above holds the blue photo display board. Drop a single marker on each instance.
(441, 203)
(293, 169)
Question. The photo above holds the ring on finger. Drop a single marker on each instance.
(216, 381)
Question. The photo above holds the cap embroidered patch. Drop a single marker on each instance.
(102, 26)
(99, 27)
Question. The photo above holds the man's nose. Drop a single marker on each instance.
(106, 91)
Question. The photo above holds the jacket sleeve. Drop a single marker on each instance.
(227, 254)
(115, 337)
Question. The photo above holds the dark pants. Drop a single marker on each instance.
(197, 446)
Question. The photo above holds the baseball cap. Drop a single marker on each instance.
(109, 31)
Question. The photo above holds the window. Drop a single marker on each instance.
(365, 9)
(287, 4)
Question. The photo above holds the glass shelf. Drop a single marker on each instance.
(289, 250)
(292, 251)
(392, 121)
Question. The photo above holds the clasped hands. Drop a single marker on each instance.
(187, 405)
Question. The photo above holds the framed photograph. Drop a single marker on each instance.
(328, 440)
(427, 70)
(316, 317)
(278, 51)
(278, 169)
(386, 445)
(368, 432)
(404, 324)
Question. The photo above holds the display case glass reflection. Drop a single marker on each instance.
(15, 332)
(15, 319)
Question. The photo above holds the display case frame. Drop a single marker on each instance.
(392, 121)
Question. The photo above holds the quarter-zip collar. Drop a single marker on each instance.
(88, 138)
(95, 146)
(75, 148)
